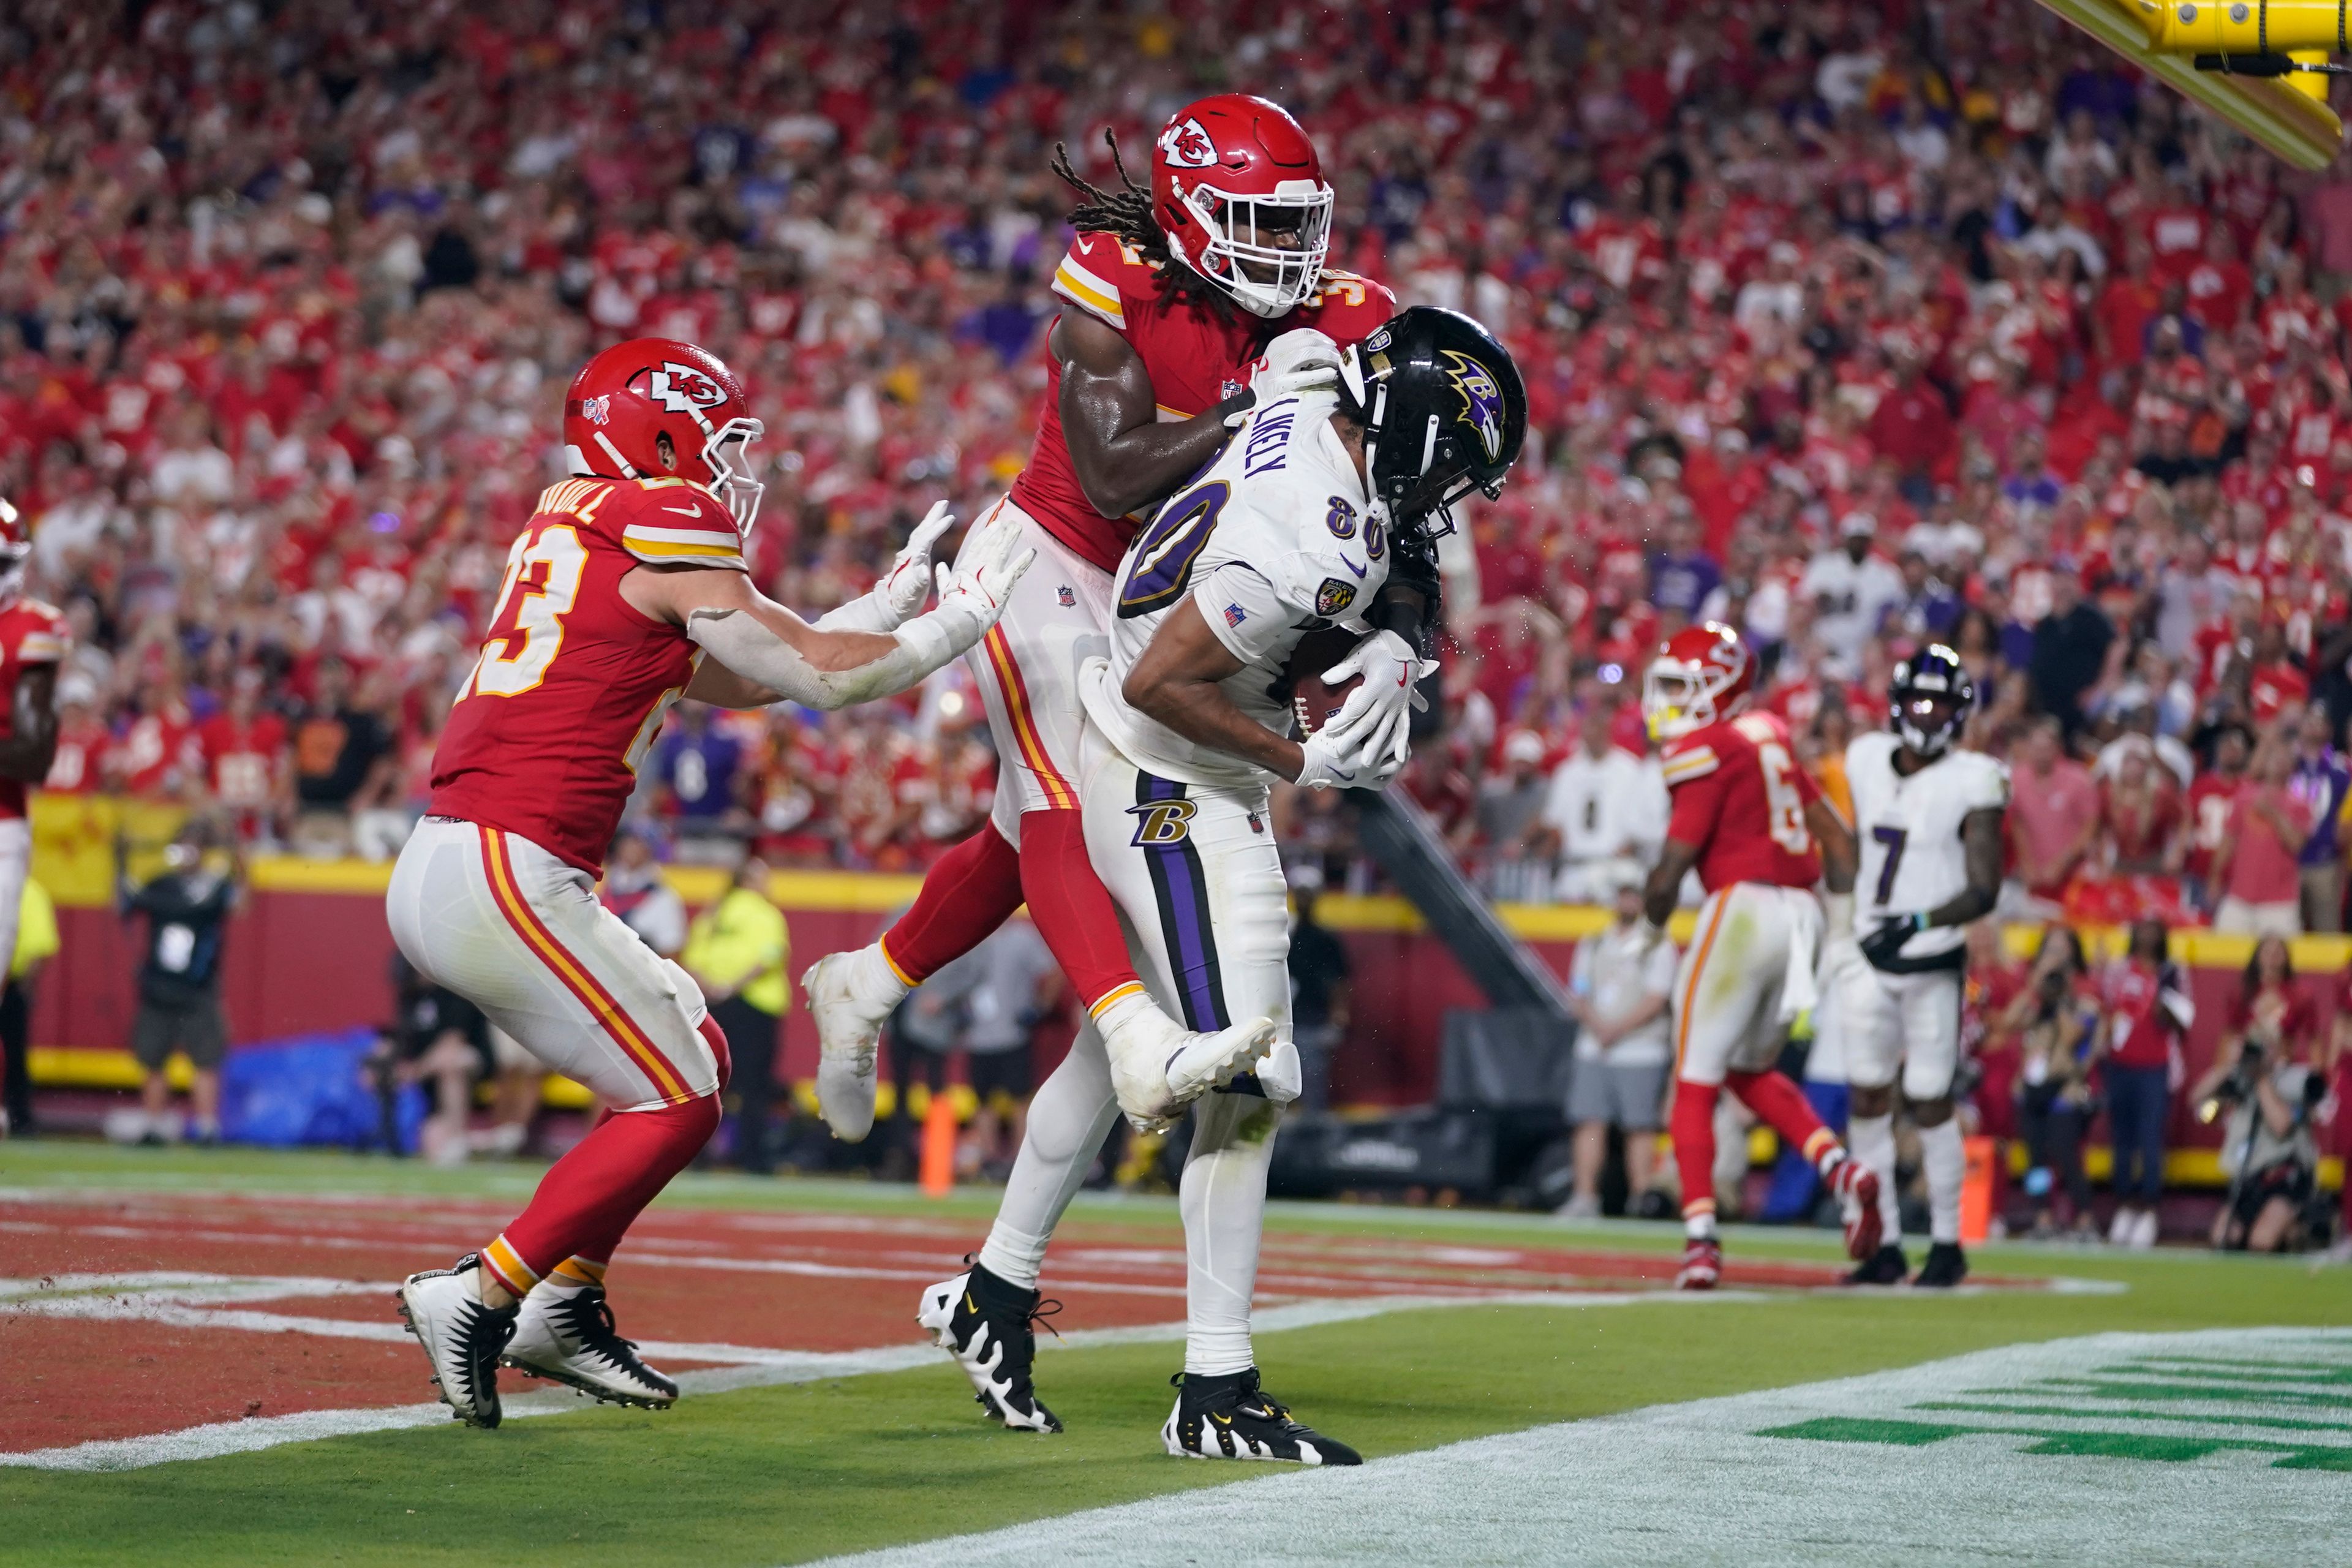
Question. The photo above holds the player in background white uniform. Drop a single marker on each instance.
(1928, 822)
(1291, 530)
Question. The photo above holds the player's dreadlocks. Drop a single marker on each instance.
(1127, 214)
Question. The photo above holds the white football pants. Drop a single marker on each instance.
(1204, 908)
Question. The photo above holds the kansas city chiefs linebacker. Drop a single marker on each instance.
(32, 642)
(626, 591)
(1760, 835)
(1182, 301)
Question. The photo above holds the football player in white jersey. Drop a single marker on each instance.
(1189, 721)
(1928, 822)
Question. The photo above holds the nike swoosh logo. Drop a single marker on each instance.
(696, 511)
(1351, 566)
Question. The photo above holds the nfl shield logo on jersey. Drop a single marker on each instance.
(1332, 599)
(1069, 599)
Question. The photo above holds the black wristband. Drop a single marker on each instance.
(1240, 402)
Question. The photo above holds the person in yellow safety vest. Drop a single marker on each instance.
(36, 944)
(736, 949)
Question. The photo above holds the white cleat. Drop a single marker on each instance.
(569, 1336)
(849, 1016)
(1158, 1067)
(462, 1338)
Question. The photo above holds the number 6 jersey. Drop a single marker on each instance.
(1740, 798)
(572, 682)
(1275, 538)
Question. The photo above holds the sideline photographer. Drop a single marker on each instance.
(2269, 1097)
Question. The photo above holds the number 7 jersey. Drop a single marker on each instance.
(572, 682)
(1740, 797)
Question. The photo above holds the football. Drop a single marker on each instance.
(1311, 700)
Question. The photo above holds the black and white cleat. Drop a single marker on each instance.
(462, 1338)
(568, 1337)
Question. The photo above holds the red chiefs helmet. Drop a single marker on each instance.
(16, 549)
(1701, 674)
(1229, 174)
(625, 399)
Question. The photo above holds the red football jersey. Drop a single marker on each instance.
(572, 683)
(1197, 354)
(1740, 796)
(31, 632)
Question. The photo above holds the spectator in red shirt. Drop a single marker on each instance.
(83, 739)
(2212, 801)
(246, 756)
(2053, 815)
(2147, 1011)
(1912, 425)
(2257, 870)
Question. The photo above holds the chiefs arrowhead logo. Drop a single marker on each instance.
(682, 389)
(1186, 144)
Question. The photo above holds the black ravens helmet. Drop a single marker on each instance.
(1929, 698)
(1444, 410)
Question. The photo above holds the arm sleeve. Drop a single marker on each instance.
(1243, 611)
(669, 522)
(1087, 279)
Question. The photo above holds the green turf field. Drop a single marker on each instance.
(794, 1473)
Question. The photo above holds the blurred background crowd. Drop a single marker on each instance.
(1853, 325)
(1849, 325)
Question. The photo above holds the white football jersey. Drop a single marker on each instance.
(1277, 538)
(1908, 829)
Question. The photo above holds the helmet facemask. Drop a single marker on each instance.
(1237, 255)
(728, 455)
(1675, 700)
(1926, 721)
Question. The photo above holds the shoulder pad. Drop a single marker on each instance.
(1348, 308)
(1691, 757)
(671, 521)
(1101, 274)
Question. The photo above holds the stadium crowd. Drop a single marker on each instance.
(1847, 325)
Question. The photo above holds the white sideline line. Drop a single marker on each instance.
(219, 1438)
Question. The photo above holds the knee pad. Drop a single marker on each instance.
(1924, 1079)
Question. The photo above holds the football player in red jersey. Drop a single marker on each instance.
(1760, 835)
(33, 641)
(1180, 300)
(626, 591)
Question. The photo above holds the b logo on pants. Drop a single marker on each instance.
(1161, 822)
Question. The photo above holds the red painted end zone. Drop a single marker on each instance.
(289, 1306)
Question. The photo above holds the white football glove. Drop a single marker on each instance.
(982, 588)
(1326, 764)
(907, 583)
(1302, 360)
(1377, 715)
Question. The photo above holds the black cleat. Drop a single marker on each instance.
(988, 1326)
(1887, 1266)
(462, 1338)
(1946, 1267)
(568, 1337)
(1228, 1417)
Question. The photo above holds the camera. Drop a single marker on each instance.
(2237, 1087)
